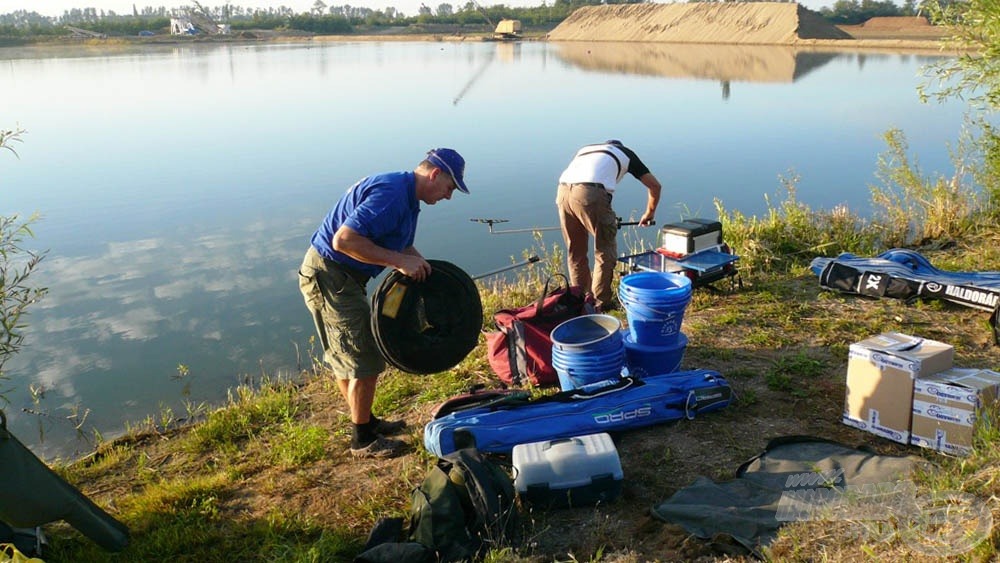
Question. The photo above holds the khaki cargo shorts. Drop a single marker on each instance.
(340, 310)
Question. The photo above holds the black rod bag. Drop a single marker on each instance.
(907, 275)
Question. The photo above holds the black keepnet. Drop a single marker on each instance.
(433, 325)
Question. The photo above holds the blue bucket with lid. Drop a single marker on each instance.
(654, 305)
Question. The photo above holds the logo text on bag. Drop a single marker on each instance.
(619, 416)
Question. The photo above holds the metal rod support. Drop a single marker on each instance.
(530, 260)
(491, 222)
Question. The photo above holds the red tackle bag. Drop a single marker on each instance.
(520, 350)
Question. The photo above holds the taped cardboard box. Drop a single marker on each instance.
(947, 407)
(880, 374)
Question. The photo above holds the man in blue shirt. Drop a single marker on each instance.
(371, 227)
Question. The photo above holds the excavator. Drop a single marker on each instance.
(506, 30)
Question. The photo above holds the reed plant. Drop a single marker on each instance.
(909, 209)
(791, 233)
(912, 208)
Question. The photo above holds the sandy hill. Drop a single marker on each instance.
(759, 23)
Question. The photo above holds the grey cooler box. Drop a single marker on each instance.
(578, 471)
(690, 236)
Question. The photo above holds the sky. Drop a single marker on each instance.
(408, 7)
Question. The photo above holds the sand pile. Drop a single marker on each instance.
(739, 63)
(898, 22)
(760, 23)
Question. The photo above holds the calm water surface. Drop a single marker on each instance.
(178, 186)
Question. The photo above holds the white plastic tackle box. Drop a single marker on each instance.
(578, 471)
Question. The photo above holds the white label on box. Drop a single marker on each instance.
(945, 391)
(940, 443)
(944, 413)
(851, 421)
(883, 360)
(884, 431)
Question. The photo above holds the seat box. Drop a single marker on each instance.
(880, 375)
(578, 471)
(689, 236)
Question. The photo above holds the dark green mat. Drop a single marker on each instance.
(747, 507)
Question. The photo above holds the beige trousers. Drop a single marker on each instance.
(585, 210)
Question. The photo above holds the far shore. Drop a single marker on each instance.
(927, 41)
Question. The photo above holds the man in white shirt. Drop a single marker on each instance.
(584, 201)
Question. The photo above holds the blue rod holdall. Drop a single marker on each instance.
(616, 404)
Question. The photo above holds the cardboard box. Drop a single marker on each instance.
(880, 375)
(945, 407)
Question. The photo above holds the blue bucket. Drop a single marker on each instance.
(587, 349)
(590, 362)
(643, 361)
(588, 333)
(569, 381)
(654, 306)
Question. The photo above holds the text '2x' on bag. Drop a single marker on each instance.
(520, 350)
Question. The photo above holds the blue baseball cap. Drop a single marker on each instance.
(451, 162)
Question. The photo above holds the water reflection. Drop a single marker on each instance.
(505, 51)
(725, 63)
(111, 336)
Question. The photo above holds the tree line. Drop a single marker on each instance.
(852, 12)
(323, 18)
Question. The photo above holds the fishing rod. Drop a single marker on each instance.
(491, 222)
(530, 260)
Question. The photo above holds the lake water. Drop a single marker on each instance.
(179, 185)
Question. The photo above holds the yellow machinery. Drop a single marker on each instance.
(508, 29)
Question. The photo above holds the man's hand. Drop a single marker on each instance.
(646, 219)
(414, 266)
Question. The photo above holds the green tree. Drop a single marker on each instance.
(973, 76)
(16, 265)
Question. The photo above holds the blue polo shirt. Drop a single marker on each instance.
(383, 208)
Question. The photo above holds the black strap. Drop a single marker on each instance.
(609, 153)
(545, 292)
